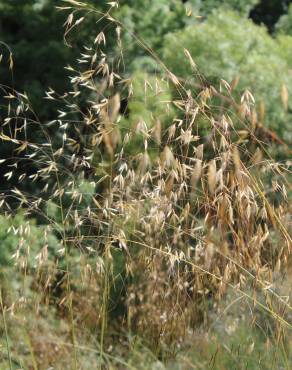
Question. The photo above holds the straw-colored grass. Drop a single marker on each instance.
(158, 220)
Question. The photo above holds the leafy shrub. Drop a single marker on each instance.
(284, 24)
(23, 241)
(208, 6)
(235, 47)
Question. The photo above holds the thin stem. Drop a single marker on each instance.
(6, 331)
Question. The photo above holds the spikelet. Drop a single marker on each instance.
(169, 183)
(262, 112)
(144, 163)
(284, 96)
(171, 131)
(167, 158)
(212, 176)
(257, 157)
(111, 132)
(114, 105)
(196, 174)
(236, 159)
(200, 151)
(191, 60)
(209, 253)
(156, 132)
(235, 82)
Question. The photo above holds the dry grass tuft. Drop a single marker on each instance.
(157, 215)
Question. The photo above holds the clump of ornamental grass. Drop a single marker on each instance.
(158, 191)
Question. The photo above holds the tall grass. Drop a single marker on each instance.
(157, 192)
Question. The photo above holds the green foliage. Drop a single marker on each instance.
(148, 108)
(268, 12)
(208, 6)
(252, 55)
(33, 31)
(22, 241)
(151, 20)
(284, 25)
